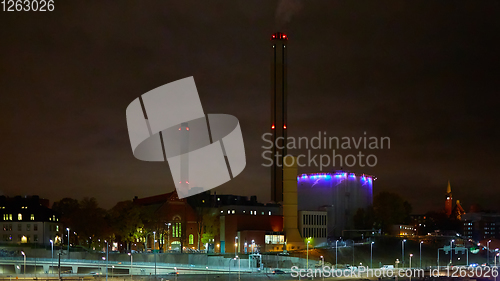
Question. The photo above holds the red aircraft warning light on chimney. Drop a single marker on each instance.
(279, 122)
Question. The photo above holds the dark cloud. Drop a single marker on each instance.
(424, 74)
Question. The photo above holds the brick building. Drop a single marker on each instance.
(174, 223)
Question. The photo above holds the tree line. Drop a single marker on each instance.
(126, 223)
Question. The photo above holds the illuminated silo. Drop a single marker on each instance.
(341, 194)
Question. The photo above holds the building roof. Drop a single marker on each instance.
(156, 199)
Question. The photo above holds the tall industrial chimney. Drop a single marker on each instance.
(293, 240)
(278, 111)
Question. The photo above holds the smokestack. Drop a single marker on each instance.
(278, 110)
(290, 204)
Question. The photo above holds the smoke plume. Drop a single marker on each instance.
(285, 10)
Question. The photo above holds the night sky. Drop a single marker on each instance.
(425, 74)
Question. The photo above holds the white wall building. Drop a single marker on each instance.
(28, 220)
(314, 225)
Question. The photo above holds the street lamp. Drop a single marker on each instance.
(403, 252)
(307, 262)
(488, 254)
(336, 253)
(451, 252)
(239, 266)
(411, 255)
(154, 241)
(100, 268)
(235, 246)
(52, 262)
(371, 254)
(397, 263)
(168, 237)
(497, 255)
(131, 264)
(67, 228)
(22, 252)
(154, 248)
(421, 242)
(107, 258)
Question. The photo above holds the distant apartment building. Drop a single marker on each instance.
(419, 223)
(28, 220)
(313, 226)
(480, 226)
(403, 230)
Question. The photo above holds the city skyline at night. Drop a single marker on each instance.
(424, 76)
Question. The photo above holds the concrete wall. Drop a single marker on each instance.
(172, 258)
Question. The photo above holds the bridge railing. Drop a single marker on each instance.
(243, 266)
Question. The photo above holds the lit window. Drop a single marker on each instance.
(176, 230)
(10, 217)
(57, 228)
(269, 212)
(32, 217)
(19, 217)
(228, 211)
(191, 239)
(232, 211)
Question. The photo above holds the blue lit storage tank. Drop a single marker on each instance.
(340, 193)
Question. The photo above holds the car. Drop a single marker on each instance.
(173, 273)
(277, 271)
